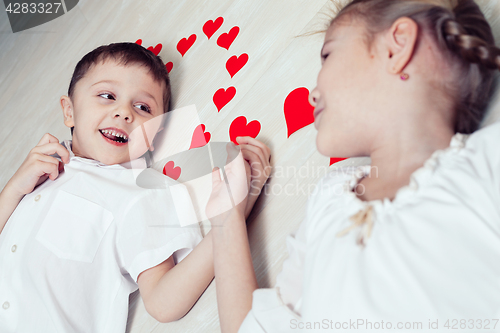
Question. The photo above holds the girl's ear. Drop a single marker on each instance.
(67, 109)
(401, 39)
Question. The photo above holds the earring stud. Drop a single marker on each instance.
(404, 76)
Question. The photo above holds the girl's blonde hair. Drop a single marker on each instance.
(464, 37)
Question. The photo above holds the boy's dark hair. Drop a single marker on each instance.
(124, 53)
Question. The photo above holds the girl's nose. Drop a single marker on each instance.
(314, 97)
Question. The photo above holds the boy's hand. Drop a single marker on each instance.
(258, 156)
(38, 166)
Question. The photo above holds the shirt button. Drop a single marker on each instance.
(37, 197)
(13, 248)
(5, 305)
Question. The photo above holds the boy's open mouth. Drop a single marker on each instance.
(114, 136)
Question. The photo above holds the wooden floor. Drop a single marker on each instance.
(36, 66)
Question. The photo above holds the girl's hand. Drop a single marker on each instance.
(258, 156)
(38, 166)
(235, 192)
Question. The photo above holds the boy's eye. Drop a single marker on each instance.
(324, 56)
(145, 108)
(107, 94)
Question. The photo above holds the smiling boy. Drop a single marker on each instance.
(72, 249)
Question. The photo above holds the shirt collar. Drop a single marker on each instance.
(139, 163)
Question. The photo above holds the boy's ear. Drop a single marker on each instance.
(67, 109)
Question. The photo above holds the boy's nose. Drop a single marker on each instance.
(124, 112)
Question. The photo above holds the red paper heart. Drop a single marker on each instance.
(336, 159)
(185, 44)
(169, 66)
(139, 41)
(226, 39)
(170, 171)
(234, 64)
(156, 50)
(298, 111)
(239, 127)
(210, 27)
(222, 97)
(200, 137)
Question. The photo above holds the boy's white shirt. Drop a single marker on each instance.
(71, 252)
(433, 255)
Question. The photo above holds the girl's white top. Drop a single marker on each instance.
(431, 263)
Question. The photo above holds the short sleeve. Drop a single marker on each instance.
(149, 232)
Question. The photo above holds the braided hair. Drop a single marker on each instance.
(463, 36)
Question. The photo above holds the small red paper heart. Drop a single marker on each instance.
(234, 64)
(239, 127)
(169, 66)
(156, 50)
(226, 39)
(336, 159)
(210, 27)
(200, 137)
(185, 44)
(139, 41)
(222, 97)
(298, 111)
(170, 171)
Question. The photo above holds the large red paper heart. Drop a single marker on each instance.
(226, 39)
(171, 171)
(222, 97)
(239, 127)
(210, 27)
(169, 66)
(139, 41)
(334, 160)
(298, 111)
(234, 64)
(200, 137)
(185, 44)
(156, 50)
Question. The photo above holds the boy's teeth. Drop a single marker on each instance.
(118, 135)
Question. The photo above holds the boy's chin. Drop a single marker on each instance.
(110, 160)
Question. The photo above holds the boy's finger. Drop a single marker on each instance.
(47, 138)
(255, 142)
(54, 148)
(41, 179)
(48, 168)
(47, 159)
